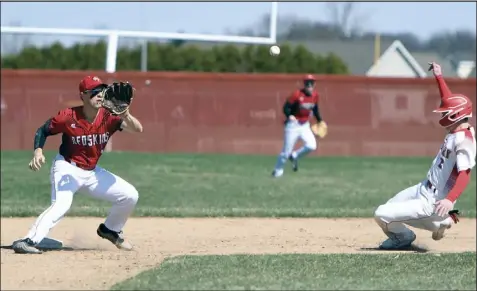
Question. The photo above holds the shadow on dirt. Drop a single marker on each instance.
(71, 249)
(67, 249)
(412, 248)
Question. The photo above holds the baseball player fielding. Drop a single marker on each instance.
(429, 205)
(85, 131)
(297, 109)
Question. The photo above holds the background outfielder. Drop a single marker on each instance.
(429, 204)
(85, 132)
(297, 109)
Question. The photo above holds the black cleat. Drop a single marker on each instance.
(115, 237)
(294, 162)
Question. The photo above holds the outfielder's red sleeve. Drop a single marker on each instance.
(443, 88)
(292, 99)
(463, 178)
(57, 123)
(114, 123)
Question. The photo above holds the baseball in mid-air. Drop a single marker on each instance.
(274, 50)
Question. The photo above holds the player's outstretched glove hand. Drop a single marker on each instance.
(117, 97)
(320, 129)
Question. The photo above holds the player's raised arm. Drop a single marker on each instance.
(117, 99)
(443, 88)
(51, 127)
(130, 123)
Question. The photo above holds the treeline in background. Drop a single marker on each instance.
(347, 23)
(176, 56)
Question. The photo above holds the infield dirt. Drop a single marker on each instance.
(91, 263)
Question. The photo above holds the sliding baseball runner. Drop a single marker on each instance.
(430, 204)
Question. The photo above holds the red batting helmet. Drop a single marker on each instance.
(309, 77)
(309, 82)
(454, 109)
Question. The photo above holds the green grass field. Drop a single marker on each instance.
(179, 185)
(310, 272)
(223, 185)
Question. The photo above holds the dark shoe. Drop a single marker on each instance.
(277, 174)
(25, 246)
(398, 242)
(294, 162)
(115, 237)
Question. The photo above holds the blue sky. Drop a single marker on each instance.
(422, 18)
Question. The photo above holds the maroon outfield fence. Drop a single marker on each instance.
(239, 113)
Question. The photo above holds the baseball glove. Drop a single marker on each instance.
(117, 97)
(320, 129)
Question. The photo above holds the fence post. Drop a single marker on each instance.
(112, 52)
(144, 56)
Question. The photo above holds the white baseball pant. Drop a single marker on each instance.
(294, 131)
(67, 179)
(413, 206)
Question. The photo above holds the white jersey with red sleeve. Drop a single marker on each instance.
(456, 154)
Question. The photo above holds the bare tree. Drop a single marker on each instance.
(261, 27)
(345, 17)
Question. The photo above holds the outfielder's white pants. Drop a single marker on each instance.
(413, 206)
(292, 132)
(67, 179)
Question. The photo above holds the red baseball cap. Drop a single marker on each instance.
(90, 82)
